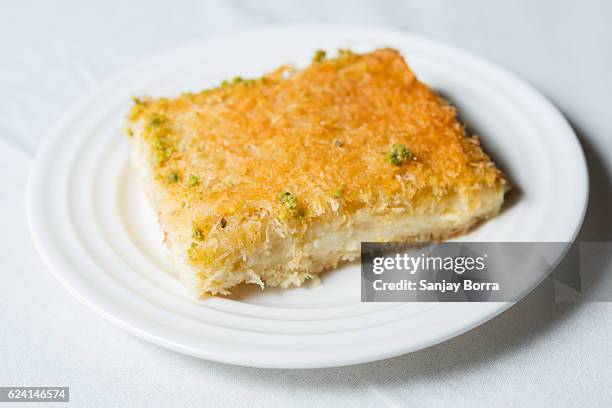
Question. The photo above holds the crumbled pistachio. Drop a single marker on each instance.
(399, 154)
(156, 119)
(339, 191)
(223, 223)
(288, 200)
(129, 132)
(198, 233)
(173, 177)
(319, 56)
(224, 83)
(137, 100)
(193, 180)
(137, 109)
(158, 138)
(164, 155)
(200, 255)
(344, 52)
(240, 80)
(192, 251)
(290, 203)
(163, 150)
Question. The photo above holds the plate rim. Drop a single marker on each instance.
(54, 135)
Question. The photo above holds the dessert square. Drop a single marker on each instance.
(270, 181)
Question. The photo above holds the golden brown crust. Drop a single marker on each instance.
(223, 157)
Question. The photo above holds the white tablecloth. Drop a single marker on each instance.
(536, 354)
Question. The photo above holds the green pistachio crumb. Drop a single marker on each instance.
(224, 83)
(162, 151)
(399, 154)
(344, 52)
(173, 177)
(192, 251)
(198, 233)
(240, 80)
(288, 200)
(319, 56)
(137, 100)
(339, 191)
(193, 180)
(158, 137)
(156, 119)
(291, 204)
(137, 109)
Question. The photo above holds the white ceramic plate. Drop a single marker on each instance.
(97, 233)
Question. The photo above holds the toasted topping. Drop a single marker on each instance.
(306, 133)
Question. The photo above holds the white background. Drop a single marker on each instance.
(536, 354)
